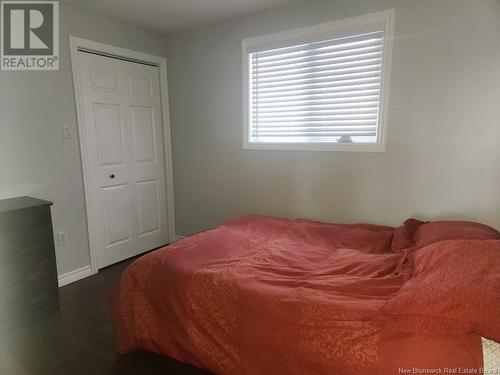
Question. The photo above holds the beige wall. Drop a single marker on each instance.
(34, 159)
(443, 151)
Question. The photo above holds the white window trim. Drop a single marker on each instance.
(331, 28)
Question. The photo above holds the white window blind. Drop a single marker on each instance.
(325, 90)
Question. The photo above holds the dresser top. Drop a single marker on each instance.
(19, 203)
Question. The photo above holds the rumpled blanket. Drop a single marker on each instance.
(260, 295)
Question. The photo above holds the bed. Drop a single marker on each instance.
(260, 295)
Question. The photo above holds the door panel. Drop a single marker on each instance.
(140, 85)
(143, 134)
(108, 126)
(116, 214)
(147, 205)
(122, 111)
(106, 80)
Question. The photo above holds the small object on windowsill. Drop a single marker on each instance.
(345, 139)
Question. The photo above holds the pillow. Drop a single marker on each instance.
(454, 289)
(428, 233)
(403, 236)
(420, 233)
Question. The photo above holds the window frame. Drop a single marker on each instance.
(333, 29)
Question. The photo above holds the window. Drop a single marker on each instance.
(319, 88)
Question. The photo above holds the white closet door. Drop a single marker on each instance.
(123, 127)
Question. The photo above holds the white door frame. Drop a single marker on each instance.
(78, 44)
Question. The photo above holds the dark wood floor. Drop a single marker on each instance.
(76, 337)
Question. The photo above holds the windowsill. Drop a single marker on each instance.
(352, 147)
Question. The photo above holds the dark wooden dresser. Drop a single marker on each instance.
(28, 273)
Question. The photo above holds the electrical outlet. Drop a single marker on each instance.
(62, 238)
(66, 132)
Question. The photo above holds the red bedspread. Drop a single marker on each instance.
(260, 296)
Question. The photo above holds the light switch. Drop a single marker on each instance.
(66, 132)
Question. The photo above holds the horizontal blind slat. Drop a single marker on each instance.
(329, 134)
(329, 44)
(369, 67)
(318, 117)
(310, 81)
(331, 123)
(319, 129)
(319, 95)
(321, 74)
(319, 87)
(339, 102)
(368, 50)
(297, 140)
(324, 108)
(317, 111)
(311, 62)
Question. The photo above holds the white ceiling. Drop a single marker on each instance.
(170, 16)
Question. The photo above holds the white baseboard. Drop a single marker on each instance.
(179, 237)
(81, 273)
(75, 275)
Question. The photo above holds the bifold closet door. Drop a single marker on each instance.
(123, 128)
